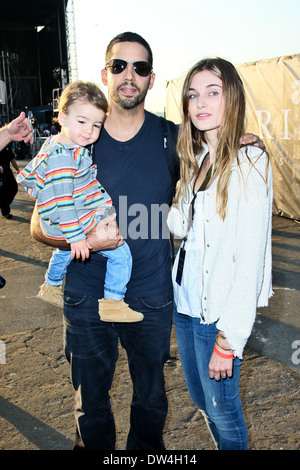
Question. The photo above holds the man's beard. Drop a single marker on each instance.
(130, 102)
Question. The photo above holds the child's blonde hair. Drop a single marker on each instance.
(84, 91)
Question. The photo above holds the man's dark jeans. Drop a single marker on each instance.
(91, 347)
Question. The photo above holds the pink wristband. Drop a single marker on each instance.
(219, 353)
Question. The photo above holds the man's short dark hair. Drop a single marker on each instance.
(128, 37)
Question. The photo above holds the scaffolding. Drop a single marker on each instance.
(71, 41)
(72, 56)
(9, 88)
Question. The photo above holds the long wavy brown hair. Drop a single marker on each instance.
(190, 139)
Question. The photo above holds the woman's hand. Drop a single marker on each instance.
(221, 361)
(20, 129)
(219, 367)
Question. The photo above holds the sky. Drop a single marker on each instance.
(181, 32)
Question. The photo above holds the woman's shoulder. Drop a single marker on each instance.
(250, 156)
(251, 152)
(253, 166)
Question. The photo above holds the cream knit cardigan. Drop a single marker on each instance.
(227, 270)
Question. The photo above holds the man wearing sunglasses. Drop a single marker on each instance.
(136, 159)
(130, 157)
(137, 164)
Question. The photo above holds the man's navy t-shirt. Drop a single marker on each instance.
(136, 176)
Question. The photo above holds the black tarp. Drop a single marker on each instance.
(32, 55)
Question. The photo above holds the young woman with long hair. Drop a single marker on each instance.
(222, 271)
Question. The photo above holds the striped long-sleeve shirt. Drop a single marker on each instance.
(70, 200)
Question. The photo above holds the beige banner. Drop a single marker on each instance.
(273, 112)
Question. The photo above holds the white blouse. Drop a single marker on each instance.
(228, 264)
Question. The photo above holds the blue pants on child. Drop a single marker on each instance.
(118, 270)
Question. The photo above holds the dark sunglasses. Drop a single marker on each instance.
(117, 66)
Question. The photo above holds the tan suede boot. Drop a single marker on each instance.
(117, 311)
(51, 294)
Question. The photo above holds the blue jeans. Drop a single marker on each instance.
(218, 401)
(118, 270)
(91, 347)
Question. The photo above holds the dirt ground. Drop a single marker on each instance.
(36, 398)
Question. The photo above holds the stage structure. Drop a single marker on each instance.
(37, 56)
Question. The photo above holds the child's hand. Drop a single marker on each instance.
(80, 249)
